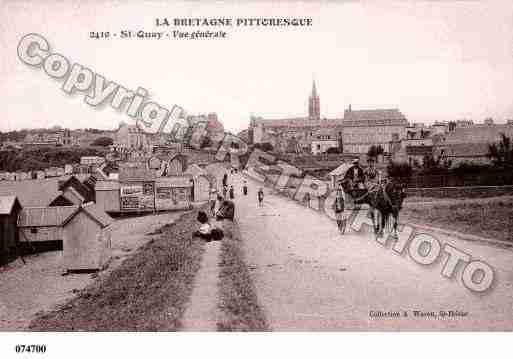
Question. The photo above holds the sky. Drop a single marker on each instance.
(433, 60)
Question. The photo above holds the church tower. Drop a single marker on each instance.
(314, 105)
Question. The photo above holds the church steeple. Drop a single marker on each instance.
(314, 104)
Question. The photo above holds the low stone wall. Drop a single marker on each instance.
(461, 192)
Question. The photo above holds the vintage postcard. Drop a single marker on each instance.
(297, 166)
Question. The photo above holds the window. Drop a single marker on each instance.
(33, 230)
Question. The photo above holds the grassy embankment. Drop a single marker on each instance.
(238, 301)
(490, 218)
(147, 292)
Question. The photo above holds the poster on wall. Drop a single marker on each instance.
(147, 196)
(130, 197)
(131, 190)
(130, 202)
(180, 195)
(148, 189)
(165, 198)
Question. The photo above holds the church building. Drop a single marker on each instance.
(355, 132)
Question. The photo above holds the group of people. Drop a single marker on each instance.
(362, 181)
(221, 208)
(229, 190)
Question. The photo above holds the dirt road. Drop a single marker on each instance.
(309, 277)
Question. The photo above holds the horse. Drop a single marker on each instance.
(388, 202)
(385, 202)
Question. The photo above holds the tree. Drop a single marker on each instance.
(429, 162)
(434, 166)
(501, 153)
(102, 141)
(334, 150)
(264, 146)
(399, 170)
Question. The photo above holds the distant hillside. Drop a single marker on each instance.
(41, 158)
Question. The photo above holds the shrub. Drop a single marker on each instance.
(399, 170)
(102, 141)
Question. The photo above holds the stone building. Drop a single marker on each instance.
(324, 139)
(364, 128)
(131, 137)
(354, 133)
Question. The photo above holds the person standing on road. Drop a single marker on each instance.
(218, 203)
(339, 210)
(212, 200)
(245, 188)
(260, 197)
(232, 194)
(225, 191)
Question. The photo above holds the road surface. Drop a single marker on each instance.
(309, 277)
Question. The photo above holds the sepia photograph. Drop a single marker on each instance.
(254, 166)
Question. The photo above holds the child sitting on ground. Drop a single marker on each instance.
(206, 231)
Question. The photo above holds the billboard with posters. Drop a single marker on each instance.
(140, 196)
(130, 196)
(172, 193)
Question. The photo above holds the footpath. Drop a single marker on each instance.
(202, 312)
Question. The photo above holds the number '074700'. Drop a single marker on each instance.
(30, 348)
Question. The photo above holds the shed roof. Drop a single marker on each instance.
(45, 216)
(136, 174)
(340, 170)
(195, 170)
(107, 186)
(7, 204)
(33, 193)
(78, 186)
(60, 200)
(178, 181)
(95, 212)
